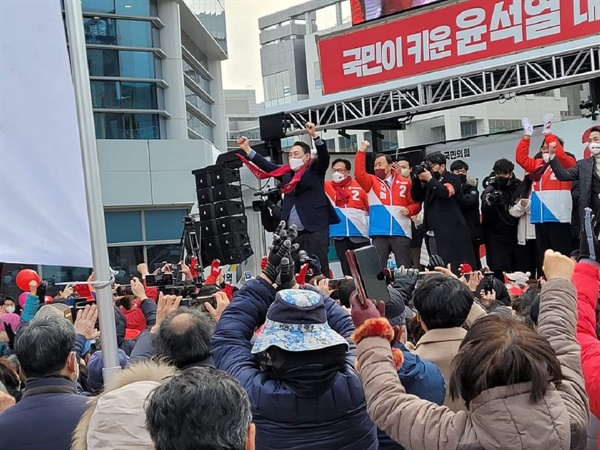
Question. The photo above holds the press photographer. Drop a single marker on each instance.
(444, 227)
(498, 227)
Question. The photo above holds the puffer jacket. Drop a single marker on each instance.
(125, 432)
(336, 420)
(498, 418)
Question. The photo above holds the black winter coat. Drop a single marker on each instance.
(441, 201)
(469, 206)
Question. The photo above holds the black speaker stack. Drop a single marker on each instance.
(223, 223)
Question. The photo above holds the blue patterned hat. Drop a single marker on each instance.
(297, 322)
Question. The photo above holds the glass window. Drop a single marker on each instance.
(198, 102)
(108, 125)
(131, 95)
(141, 126)
(136, 64)
(102, 6)
(390, 140)
(124, 260)
(123, 226)
(196, 76)
(157, 254)
(105, 94)
(63, 274)
(133, 7)
(138, 95)
(134, 33)
(100, 31)
(164, 225)
(103, 63)
(195, 124)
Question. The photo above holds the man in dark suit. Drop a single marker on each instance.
(305, 203)
(446, 232)
(587, 172)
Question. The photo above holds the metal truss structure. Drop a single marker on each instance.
(377, 111)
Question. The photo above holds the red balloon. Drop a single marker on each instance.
(26, 276)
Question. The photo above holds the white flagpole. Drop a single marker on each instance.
(91, 174)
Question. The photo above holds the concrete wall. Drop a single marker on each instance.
(147, 173)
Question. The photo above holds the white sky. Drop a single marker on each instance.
(242, 69)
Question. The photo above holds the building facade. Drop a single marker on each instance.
(157, 94)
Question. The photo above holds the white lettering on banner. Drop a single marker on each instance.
(386, 56)
(430, 45)
(592, 14)
(507, 23)
(470, 22)
(546, 24)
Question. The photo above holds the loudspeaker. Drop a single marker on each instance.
(203, 177)
(231, 224)
(212, 246)
(226, 192)
(224, 175)
(230, 159)
(206, 212)
(209, 228)
(205, 196)
(227, 208)
(234, 240)
(237, 255)
(272, 126)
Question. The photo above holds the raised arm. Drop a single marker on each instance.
(522, 156)
(323, 158)
(360, 168)
(259, 160)
(231, 342)
(555, 146)
(562, 174)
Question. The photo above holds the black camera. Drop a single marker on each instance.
(494, 197)
(268, 198)
(159, 279)
(420, 168)
(124, 290)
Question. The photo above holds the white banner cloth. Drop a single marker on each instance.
(43, 215)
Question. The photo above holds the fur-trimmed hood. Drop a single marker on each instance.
(471, 182)
(147, 371)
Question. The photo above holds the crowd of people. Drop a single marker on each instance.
(455, 358)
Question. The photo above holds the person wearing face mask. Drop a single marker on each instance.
(469, 205)
(587, 172)
(446, 232)
(551, 201)
(499, 228)
(352, 207)
(305, 204)
(390, 207)
(46, 351)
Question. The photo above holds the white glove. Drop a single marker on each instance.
(548, 118)
(527, 127)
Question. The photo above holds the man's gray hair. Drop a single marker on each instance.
(44, 345)
(201, 407)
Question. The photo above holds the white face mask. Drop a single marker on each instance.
(546, 157)
(10, 309)
(595, 148)
(296, 163)
(405, 172)
(337, 177)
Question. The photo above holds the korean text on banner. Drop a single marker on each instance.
(43, 214)
(451, 35)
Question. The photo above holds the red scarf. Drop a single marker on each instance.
(279, 172)
(341, 196)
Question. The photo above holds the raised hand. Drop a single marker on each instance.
(557, 266)
(222, 303)
(364, 146)
(310, 127)
(527, 126)
(244, 144)
(165, 306)
(548, 118)
(286, 275)
(86, 322)
(137, 287)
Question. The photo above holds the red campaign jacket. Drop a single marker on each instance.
(586, 282)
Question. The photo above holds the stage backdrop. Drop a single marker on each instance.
(43, 217)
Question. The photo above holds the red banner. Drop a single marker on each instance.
(457, 34)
